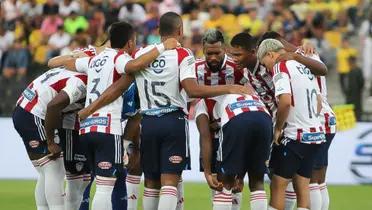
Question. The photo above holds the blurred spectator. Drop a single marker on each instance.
(365, 34)
(31, 9)
(169, 6)
(50, 24)
(194, 21)
(153, 17)
(75, 22)
(6, 41)
(57, 41)
(153, 37)
(263, 8)
(224, 22)
(240, 8)
(97, 25)
(10, 11)
(343, 66)
(133, 13)
(251, 23)
(355, 87)
(68, 6)
(50, 7)
(16, 61)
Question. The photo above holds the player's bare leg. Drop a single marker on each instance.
(301, 186)
(277, 192)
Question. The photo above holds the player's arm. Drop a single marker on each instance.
(316, 67)
(202, 123)
(53, 119)
(108, 96)
(284, 94)
(145, 60)
(64, 60)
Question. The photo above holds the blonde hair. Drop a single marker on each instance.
(268, 45)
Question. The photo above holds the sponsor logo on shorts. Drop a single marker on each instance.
(175, 159)
(104, 165)
(34, 143)
(79, 166)
(100, 121)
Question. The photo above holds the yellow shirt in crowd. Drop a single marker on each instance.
(343, 55)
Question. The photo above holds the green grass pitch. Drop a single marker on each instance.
(19, 195)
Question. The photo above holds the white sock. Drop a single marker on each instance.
(315, 197)
(41, 202)
(290, 197)
(302, 209)
(54, 172)
(271, 208)
(75, 187)
(236, 201)
(213, 193)
(133, 183)
(180, 197)
(222, 200)
(150, 199)
(325, 196)
(258, 200)
(104, 188)
(168, 198)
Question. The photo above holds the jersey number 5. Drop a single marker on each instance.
(155, 93)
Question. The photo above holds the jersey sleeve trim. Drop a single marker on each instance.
(182, 53)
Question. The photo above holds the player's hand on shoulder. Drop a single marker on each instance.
(213, 183)
(55, 150)
(171, 44)
(240, 89)
(308, 48)
(214, 125)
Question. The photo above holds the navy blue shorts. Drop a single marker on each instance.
(293, 158)
(32, 131)
(73, 152)
(164, 144)
(215, 144)
(104, 153)
(245, 144)
(321, 158)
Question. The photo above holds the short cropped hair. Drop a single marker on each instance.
(169, 23)
(243, 40)
(213, 36)
(120, 33)
(269, 35)
(268, 45)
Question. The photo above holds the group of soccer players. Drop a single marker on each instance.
(261, 111)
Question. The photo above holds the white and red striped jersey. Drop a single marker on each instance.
(228, 74)
(159, 85)
(303, 123)
(327, 116)
(262, 81)
(226, 107)
(44, 88)
(103, 70)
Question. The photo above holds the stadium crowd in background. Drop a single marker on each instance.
(33, 31)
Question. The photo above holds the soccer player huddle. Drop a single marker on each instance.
(111, 113)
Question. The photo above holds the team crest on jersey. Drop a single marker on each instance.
(229, 79)
(79, 166)
(175, 159)
(104, 165)
(34, 143)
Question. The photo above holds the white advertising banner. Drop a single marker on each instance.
(350, 155)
